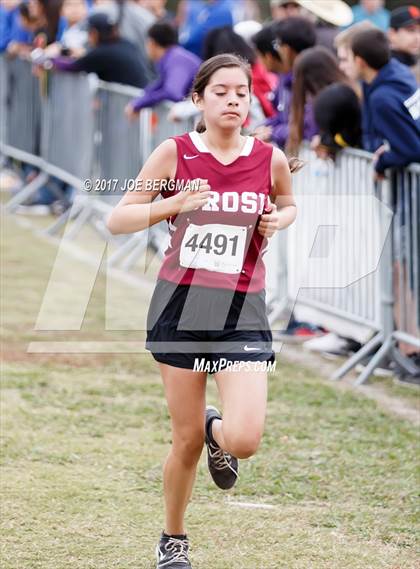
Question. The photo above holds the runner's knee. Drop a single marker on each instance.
(242, 445)
(188, 446)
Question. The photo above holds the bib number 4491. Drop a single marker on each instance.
(214, 247)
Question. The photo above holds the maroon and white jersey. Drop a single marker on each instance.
(219, 245)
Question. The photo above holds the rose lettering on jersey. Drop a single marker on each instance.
(246, 202)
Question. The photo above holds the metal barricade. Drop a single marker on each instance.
(164, 128)
(21, 111)
(120, 145)
(67, 127)
(399, 273)
(352, 310)
(406, 252)
(3, 99)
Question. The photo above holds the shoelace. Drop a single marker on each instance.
(221, 459)
(180, 549)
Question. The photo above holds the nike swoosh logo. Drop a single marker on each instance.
(248, 349)
(190, 157)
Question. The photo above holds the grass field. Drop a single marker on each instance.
(84, 438)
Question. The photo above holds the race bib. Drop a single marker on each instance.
(215, 247)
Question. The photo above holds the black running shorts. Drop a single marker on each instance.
(187, 323)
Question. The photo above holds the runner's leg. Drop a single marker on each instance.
(185, 392)
(244, 400)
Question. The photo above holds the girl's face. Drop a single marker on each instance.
(226, 99)
(74, 11)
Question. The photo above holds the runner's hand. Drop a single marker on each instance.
(193, 200)
(270, 221)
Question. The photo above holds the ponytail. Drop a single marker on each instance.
(295, 164)
(200, 126)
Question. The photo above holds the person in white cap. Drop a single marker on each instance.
(282, 9)
(328, 16)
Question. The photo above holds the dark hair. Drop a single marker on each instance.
(225, 40)
(163, 33)
(373, 47)
(204, 74)
(24, 12)
(51, 10)
(314, 69)
(263, 41)
(337, 111)
(298, 33)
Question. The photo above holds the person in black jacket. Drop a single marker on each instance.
(112, 58)
(404, 36)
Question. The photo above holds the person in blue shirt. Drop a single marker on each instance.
(201, 17)
(372, 10)
(391, 103)
(11, 28)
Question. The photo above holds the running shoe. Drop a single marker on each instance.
(223, 467)
(172, 552)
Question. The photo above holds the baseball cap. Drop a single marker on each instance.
(101, 21)
(404, 16)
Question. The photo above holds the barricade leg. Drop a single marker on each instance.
(70, 214)
(375, 360)
(365, 350)
(26, 192)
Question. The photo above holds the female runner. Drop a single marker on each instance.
(208, 311)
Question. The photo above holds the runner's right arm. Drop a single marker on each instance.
(137, 211)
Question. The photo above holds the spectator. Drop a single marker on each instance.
(404, 36)
(372, 10)
(75, 38)
(247, 29)
(37, 23)
(314, 69)
(49, 25)
(338, 116)
(177, 68)
(225, 40)
(158, 9)
(294, 35)
(391, 113)
(111, 57)
(12, 33)
(201, 17)
(74, 41)
(328, 15)
(325, 14)
(342, 44)
(282, 9)
(264, 42)
(133, 24)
